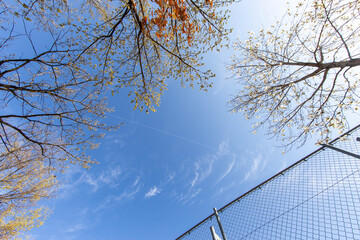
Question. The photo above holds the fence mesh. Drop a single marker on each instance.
(316, 198)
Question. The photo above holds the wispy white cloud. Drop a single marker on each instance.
(194, 174)
(128, 194)
(224, 189)
(75, 228)
(228, 170)
(109, 177)
(136, 182)
(204, 166)
(193, 182)
(86, 178)
(254, 167)
(203, 169)
(184, 198)
(170, 178)
(152, 192)
(223, 148)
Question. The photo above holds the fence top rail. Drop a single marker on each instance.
(268, 180)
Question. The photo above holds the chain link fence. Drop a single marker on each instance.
(316, 198)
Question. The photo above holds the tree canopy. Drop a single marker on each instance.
(300, 77)
(25, 179)
(92, 46)
(59, 60)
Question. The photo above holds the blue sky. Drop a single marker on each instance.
(163, 172)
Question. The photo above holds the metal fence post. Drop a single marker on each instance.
(213, 234)
(220, 226)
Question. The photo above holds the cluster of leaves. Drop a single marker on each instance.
(300, 76)
(24, 180)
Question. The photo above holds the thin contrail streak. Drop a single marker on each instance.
(164, 132)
